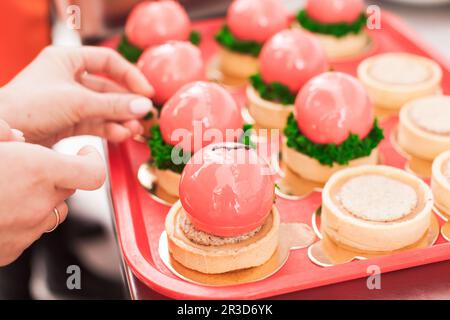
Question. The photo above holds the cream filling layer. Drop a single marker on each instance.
(432, 115)
(375, 236)
(377, 198)
(391, 70)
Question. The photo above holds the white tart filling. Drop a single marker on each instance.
(424, 127)
(352, 218)
(392, 70)
(433, 117)
(393, 79)
(377, 198)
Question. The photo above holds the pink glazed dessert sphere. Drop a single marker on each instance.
(226, 190)
(331, 106)
(199, 114)
(155, 22)
(256, 20)
(334, 11)
(292, 57)
(170, 66)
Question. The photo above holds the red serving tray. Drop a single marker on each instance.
(140, 219)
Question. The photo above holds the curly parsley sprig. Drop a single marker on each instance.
(128, 50)
(132, 53)
(335, 29)
(275, 91)
(328, 154)
(162, 151)
(229, 41)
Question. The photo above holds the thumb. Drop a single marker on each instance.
(85, 171)
(117, 106)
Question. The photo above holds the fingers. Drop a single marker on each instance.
(100, 84)
(86, 171)
(116, 133)
(8, 134)
(106, 61)
(115, 106)
(53, 220)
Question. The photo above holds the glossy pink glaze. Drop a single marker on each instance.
(331, 106)
(152, 23)
(197, 107)
(334, 11)
(226, 191)
(170, 66)
(256, 20)
(292, 57)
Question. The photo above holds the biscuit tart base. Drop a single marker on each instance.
(311, 169)
(237, 65)
(267, 114)
(220, 259)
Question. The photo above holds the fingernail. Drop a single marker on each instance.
(17, 134)
(141, 106)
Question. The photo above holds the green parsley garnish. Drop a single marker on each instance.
(328, 154)
(195, 37)
(128, 50)
(150, 115)
(162, 151)
(228, 40)
(336, 29)
(275, 91)
(247, 136)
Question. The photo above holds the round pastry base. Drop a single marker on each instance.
(445, 215)
(351, 46)
(148, 178)
(294, 186)
(293, 236)
(266, 113)
(326, 252)
(231, 69)
(311, 169)
(417, 166)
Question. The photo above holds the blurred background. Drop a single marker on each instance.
(88, 238)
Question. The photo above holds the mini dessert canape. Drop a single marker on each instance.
(152, 23)
(225, 219)
(249, 24)
(167, 68)
(339, 25)
(287, 61)
(440, 182)
(376, 209)
(198, 114)
(424, 127)
(393, 79)
(332, 127)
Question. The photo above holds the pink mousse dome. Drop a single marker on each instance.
(256, 20)
(331, 106)
(292, 57)
(170, 66)
(226, 189)
(155, 22)
(334, 11)
(194, 109)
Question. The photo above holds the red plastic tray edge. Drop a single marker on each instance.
(179, 289)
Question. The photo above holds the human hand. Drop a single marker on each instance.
(61, 94)
(35, 180)
(8, 134)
